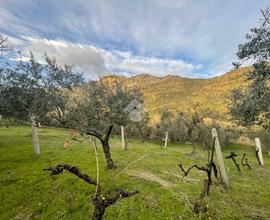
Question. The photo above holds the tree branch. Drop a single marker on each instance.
(93, 133)
(59, 168)
(207, 182)
(186, 172)
(265, 16)
(102, 203)
(257, 156)
(246, 161)
(232, 156)
(3, 44)
(108, 133)
(119, 194)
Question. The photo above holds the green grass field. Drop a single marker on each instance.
(28, 192)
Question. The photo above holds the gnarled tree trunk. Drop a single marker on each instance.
(106, 148)
(107, 153)
(104, 139)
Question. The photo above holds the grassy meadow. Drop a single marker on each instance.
(28, 192)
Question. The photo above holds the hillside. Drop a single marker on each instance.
(181, 94)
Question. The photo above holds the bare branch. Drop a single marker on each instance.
(265, 16)
(207, 182)
(246, 161)
(4, 47)
(102, 203)
(119, 194)
(257, 156)
(59, 168)
(232, 156)
(186, 172)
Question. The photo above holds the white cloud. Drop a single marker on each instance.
(156, 66)
(95, 61)
(203, 32)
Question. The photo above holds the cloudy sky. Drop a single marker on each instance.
(191, 38)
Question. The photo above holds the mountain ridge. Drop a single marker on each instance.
(180, 94)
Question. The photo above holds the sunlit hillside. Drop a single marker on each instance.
(181, 94)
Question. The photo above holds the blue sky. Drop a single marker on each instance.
(190, 38)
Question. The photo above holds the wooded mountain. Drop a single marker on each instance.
(180, 94)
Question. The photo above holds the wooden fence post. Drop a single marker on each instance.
(166, 139)
(259, 149)
(35, 136)
(224, 175)
(124, 144)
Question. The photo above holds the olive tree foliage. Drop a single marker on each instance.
(43, 91)
(166, 119)
(186, 128)
(22, 92)
(32, 89)
(140, 129)
(178, 129)
(4, 46)
(99, 108)
(251, 106)
(4, 49)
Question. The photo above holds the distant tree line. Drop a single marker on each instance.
(182, 128)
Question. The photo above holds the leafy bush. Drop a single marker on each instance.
(10, 122)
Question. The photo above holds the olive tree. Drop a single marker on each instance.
(140, 129)
(251, 106)
(30, 90)
(4, 49)
(41, 93)
(99, 108)
(192, 125)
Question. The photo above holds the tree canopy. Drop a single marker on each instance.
(96, 110)
(31, 89)
(251, 106)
